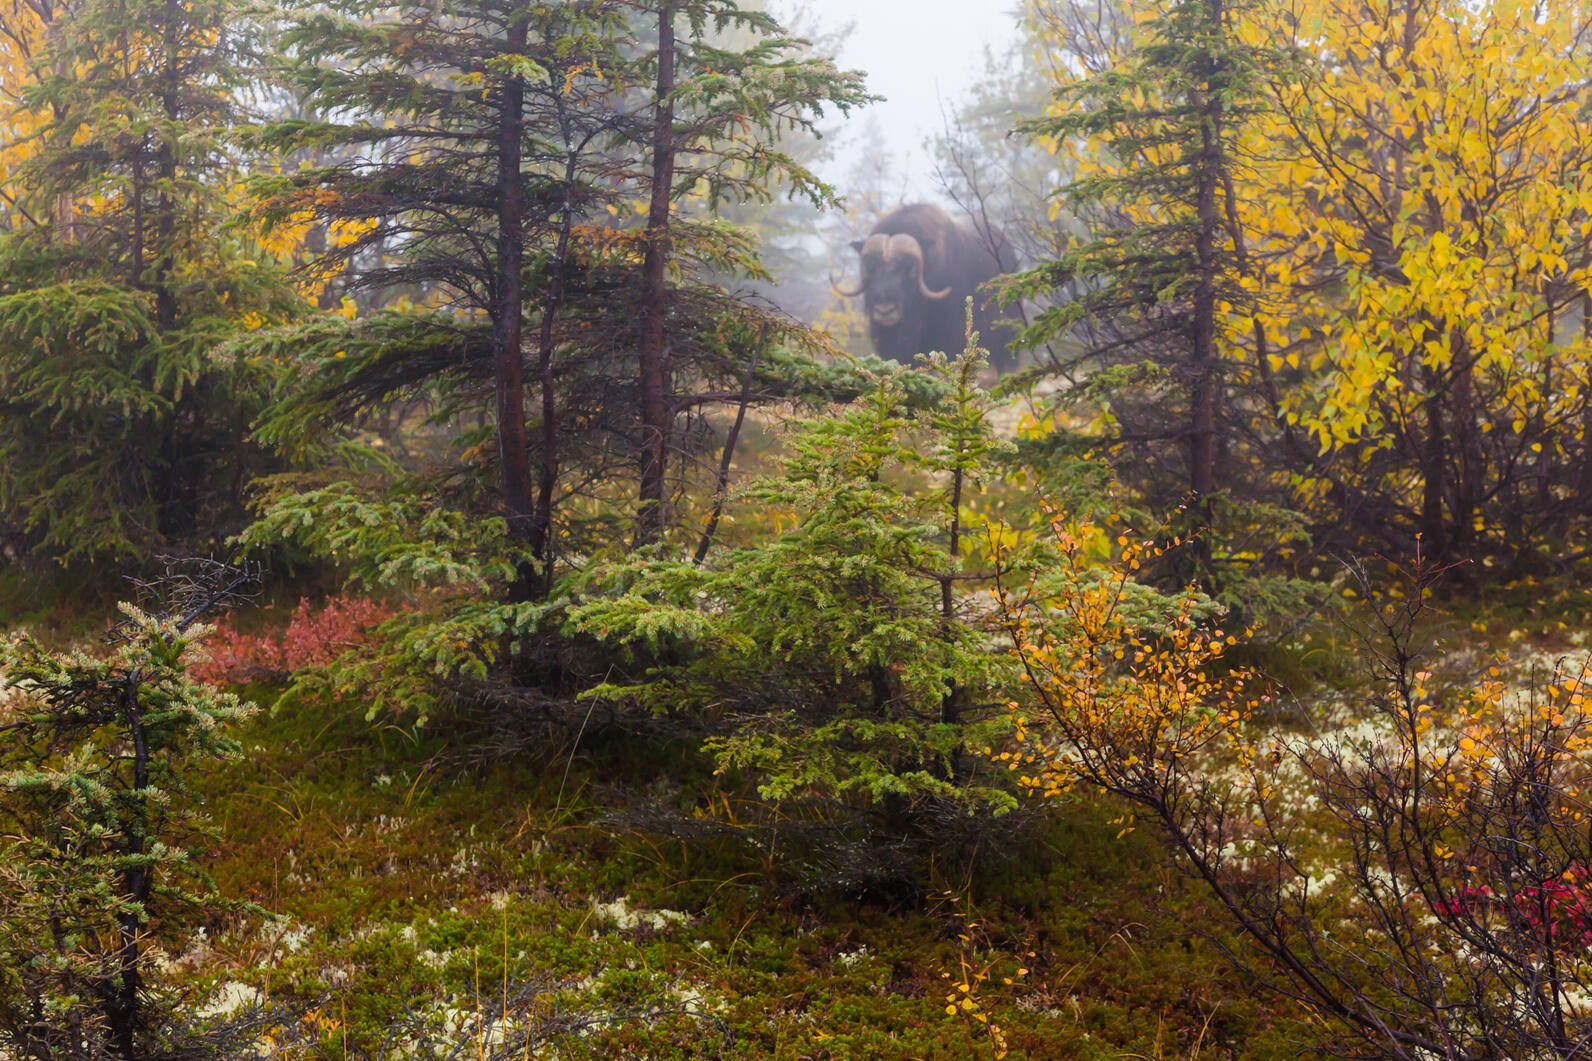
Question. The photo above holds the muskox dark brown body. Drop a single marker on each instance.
(919, 267)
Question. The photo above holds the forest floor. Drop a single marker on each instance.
(403, 880)
(395, 875)
(400, 882)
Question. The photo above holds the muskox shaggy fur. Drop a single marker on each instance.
(919, 267)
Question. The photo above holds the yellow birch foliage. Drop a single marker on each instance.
(1412, 219)
(22, 29)
(1435, 165)
(307, 244)
(1129, 684)
(1445, 820)
(1419, 205)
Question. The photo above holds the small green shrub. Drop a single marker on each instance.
(99, 831)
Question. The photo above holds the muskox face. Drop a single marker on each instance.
(892, 278)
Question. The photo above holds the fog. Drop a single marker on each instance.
(919, 54)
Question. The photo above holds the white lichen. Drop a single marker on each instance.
(230, 997)
(626, 917)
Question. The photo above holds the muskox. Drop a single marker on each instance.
(919, 267)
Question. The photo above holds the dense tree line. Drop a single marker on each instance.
(482, 162)
(1278, 256)
(1253, 337)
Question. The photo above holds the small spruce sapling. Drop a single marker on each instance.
(836, 664)
(99, 830)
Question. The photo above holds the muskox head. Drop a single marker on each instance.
(892, 277)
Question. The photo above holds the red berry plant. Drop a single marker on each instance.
(313, 637)
(1555, 912)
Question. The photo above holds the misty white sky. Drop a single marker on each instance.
(916, 53)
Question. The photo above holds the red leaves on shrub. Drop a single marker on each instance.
(313, 637)
(1557, 912)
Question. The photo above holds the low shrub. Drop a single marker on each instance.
(313, 637)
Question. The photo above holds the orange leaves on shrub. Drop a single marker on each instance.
(313, 637)
(1129, 682)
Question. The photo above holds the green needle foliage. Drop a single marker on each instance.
(117, 437)
(1159, 135)
(839, 664)
(1135, 320)
(98, 830)
(121, 431)
(493, 157)
(459, 630)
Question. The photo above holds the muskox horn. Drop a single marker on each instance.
(907, 247)
(834, 285)
(876, 244)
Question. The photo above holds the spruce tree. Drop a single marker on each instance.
(727, 84)
(444, 109)
(99, 830)
(502, 150)
(120, 429)
(840, 665)
(1144, 294)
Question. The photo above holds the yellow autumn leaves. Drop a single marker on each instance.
(22, 27)
(1410, 211)
(1131, 693)
(1127, 681)
(1433, 174)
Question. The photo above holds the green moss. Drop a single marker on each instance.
(422, 883)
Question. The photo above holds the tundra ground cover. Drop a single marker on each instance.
(415, 882)
(402, 880)
(1411, 869)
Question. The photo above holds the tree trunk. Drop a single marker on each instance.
(1434, 462)
(507, 361)
(122, 1001)
(1204, 383)
(176, 490)
(1203, 386)
(650, 516)
(951, 702)
(721, 486)
(135, 247)
(64, 213)
(1584, 486)
(1468, 483)
(1542, 503)
(541, 540)
(166, 165)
